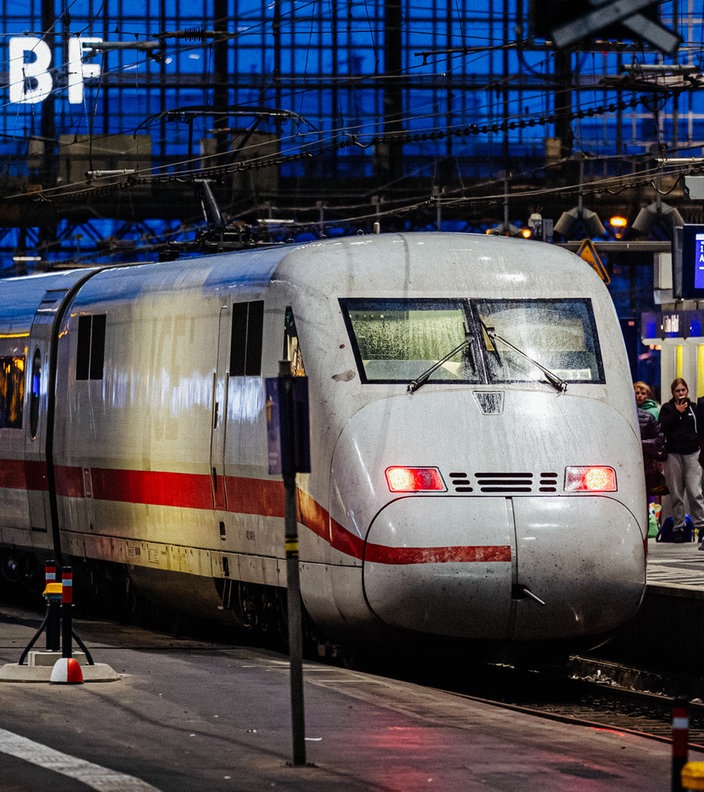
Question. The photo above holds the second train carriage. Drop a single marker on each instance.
(476, 470)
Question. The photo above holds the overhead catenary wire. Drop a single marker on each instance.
(344, 136)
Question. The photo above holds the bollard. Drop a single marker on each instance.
(59, 598)
(66, 605)
(49, 572)
(67, 669)
(52, 595)
(680, 741)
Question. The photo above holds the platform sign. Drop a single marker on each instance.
(587, 252)
(690, 258)
(698, 260)
(288, 425)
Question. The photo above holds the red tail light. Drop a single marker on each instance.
(595, 478)
(414, 479)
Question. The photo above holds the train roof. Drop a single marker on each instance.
(423, 262)
(420, 262)
(20, 297)
(433, 263)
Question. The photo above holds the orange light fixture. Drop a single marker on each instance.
(619, 224)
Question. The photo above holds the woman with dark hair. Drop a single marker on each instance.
(683, 472)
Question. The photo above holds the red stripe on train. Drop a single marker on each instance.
(381, 554)
(18, 474)
(152, 487)
(244, 496)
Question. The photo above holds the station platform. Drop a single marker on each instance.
(185, 716)
(182, 715)
(675, 564)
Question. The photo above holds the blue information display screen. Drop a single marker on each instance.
(693, 262)
(699, 261)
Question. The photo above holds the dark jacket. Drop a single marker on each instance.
(651, 435)
(653, 444)
(680, 428)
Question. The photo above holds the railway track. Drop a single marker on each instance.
(598, 693)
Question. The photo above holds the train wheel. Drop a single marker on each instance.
(137, 608)
(245, 606)
(274, 620)
(11, 569)
(15, 569)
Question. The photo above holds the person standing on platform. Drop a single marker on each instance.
(683, 472)
(645, 399)
(653, 444)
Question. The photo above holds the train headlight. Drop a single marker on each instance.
(595, 478)
(414, 479)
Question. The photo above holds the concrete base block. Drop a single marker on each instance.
(46, 658)
(41, 663)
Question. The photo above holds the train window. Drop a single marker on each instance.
(246, 339)
(11, 392)
(35, 393)
(90, 354)
(559, 335)
(292, 348)
(400, 340)
(453, 340)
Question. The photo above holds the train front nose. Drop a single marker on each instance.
(433, 565)
(502, 550)
(519, 569)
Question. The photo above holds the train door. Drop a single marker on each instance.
(39, 402)
(218, 437)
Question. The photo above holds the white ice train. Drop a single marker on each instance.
(476, 471)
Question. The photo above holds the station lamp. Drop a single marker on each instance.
(618, 225)
(571, 221)
(657, 212)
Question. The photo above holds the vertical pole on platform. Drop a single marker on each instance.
(295, 634)
(680, 741)
(53, 632)
(288, 430)
(66, 605)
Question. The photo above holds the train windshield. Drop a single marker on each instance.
(474, 341)
(532, 336)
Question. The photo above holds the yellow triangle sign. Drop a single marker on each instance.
(587, 252)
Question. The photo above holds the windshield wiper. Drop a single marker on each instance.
(557, 382)
(413, 385)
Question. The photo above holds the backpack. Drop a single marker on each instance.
(666, 534)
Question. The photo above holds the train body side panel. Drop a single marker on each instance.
(29, 309)
(139, 476)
